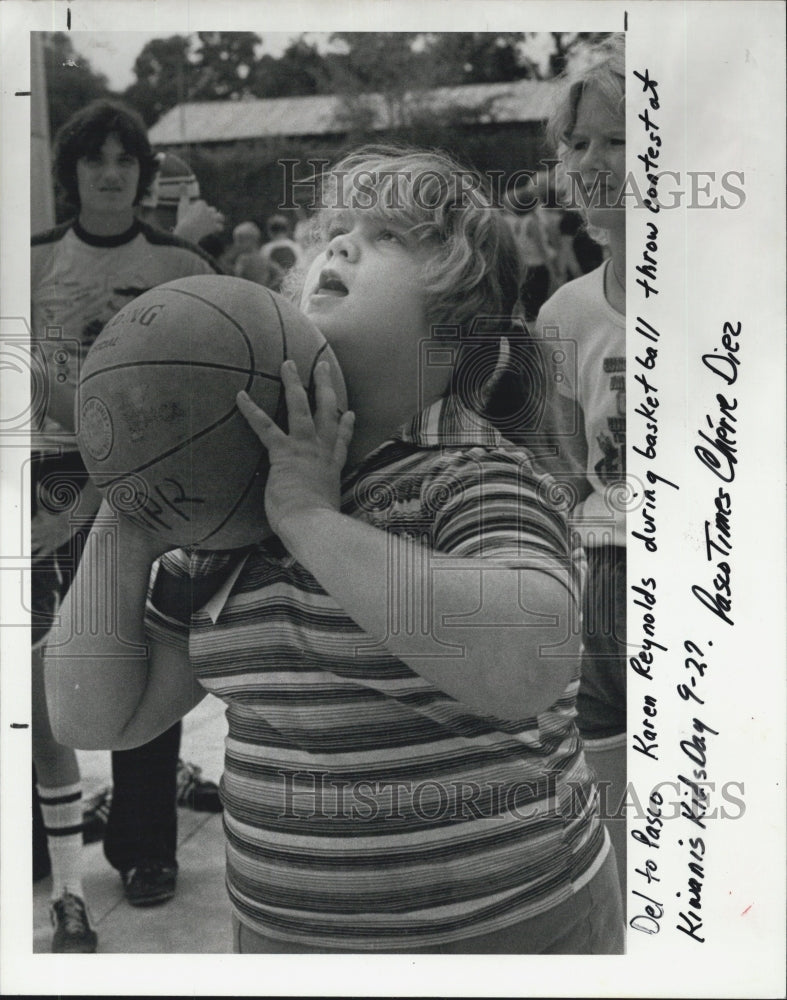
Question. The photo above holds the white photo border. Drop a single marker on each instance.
(717, 70)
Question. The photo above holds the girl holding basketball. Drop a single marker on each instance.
(402, 770)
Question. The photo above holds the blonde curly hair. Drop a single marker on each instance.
(471, 279)
(602, 67)
(474, 271)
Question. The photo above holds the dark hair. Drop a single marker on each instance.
(277, 224)
(86, 132)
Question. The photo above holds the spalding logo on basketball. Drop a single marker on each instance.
(157, 422)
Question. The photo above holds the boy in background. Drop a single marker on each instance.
(82, 273)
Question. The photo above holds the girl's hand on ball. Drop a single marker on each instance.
(306, 464)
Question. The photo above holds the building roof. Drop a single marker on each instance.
(230, 121)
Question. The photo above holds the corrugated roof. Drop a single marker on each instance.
(230, 121)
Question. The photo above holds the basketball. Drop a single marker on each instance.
(157, 423)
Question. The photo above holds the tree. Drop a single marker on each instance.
(170, 71)
(398, 68)
(164, 72)
(70, 81)
(224, 65)
(462, 57)
(299, 71)
(377, 61)
(393, 72)
(391, 67)
(565, 43)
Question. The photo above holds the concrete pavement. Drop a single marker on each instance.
(197, 920)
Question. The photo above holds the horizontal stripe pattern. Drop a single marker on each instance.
(63, 831)
(59, 800)
(365, 808)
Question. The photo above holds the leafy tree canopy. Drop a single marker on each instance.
(71, 83)
(300, 71)
(164, 71)
(478, 57)
(233, 65)
(221, 65)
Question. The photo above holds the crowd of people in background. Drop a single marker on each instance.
(553, 241)
(139, 211)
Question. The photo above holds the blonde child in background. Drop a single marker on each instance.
(587, 405)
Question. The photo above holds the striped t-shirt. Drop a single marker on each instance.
(363, 807)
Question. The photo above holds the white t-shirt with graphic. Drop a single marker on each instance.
(583, 340)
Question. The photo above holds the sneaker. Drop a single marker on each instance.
(73, 932)
(95, 816)
(149, 883)
(194, 791)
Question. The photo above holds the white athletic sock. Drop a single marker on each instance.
(62, 811)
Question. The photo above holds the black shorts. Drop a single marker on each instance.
(56, 483)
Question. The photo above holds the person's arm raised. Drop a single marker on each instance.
(107, 688)
(476, 629)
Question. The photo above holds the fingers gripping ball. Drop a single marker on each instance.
(157, 421)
